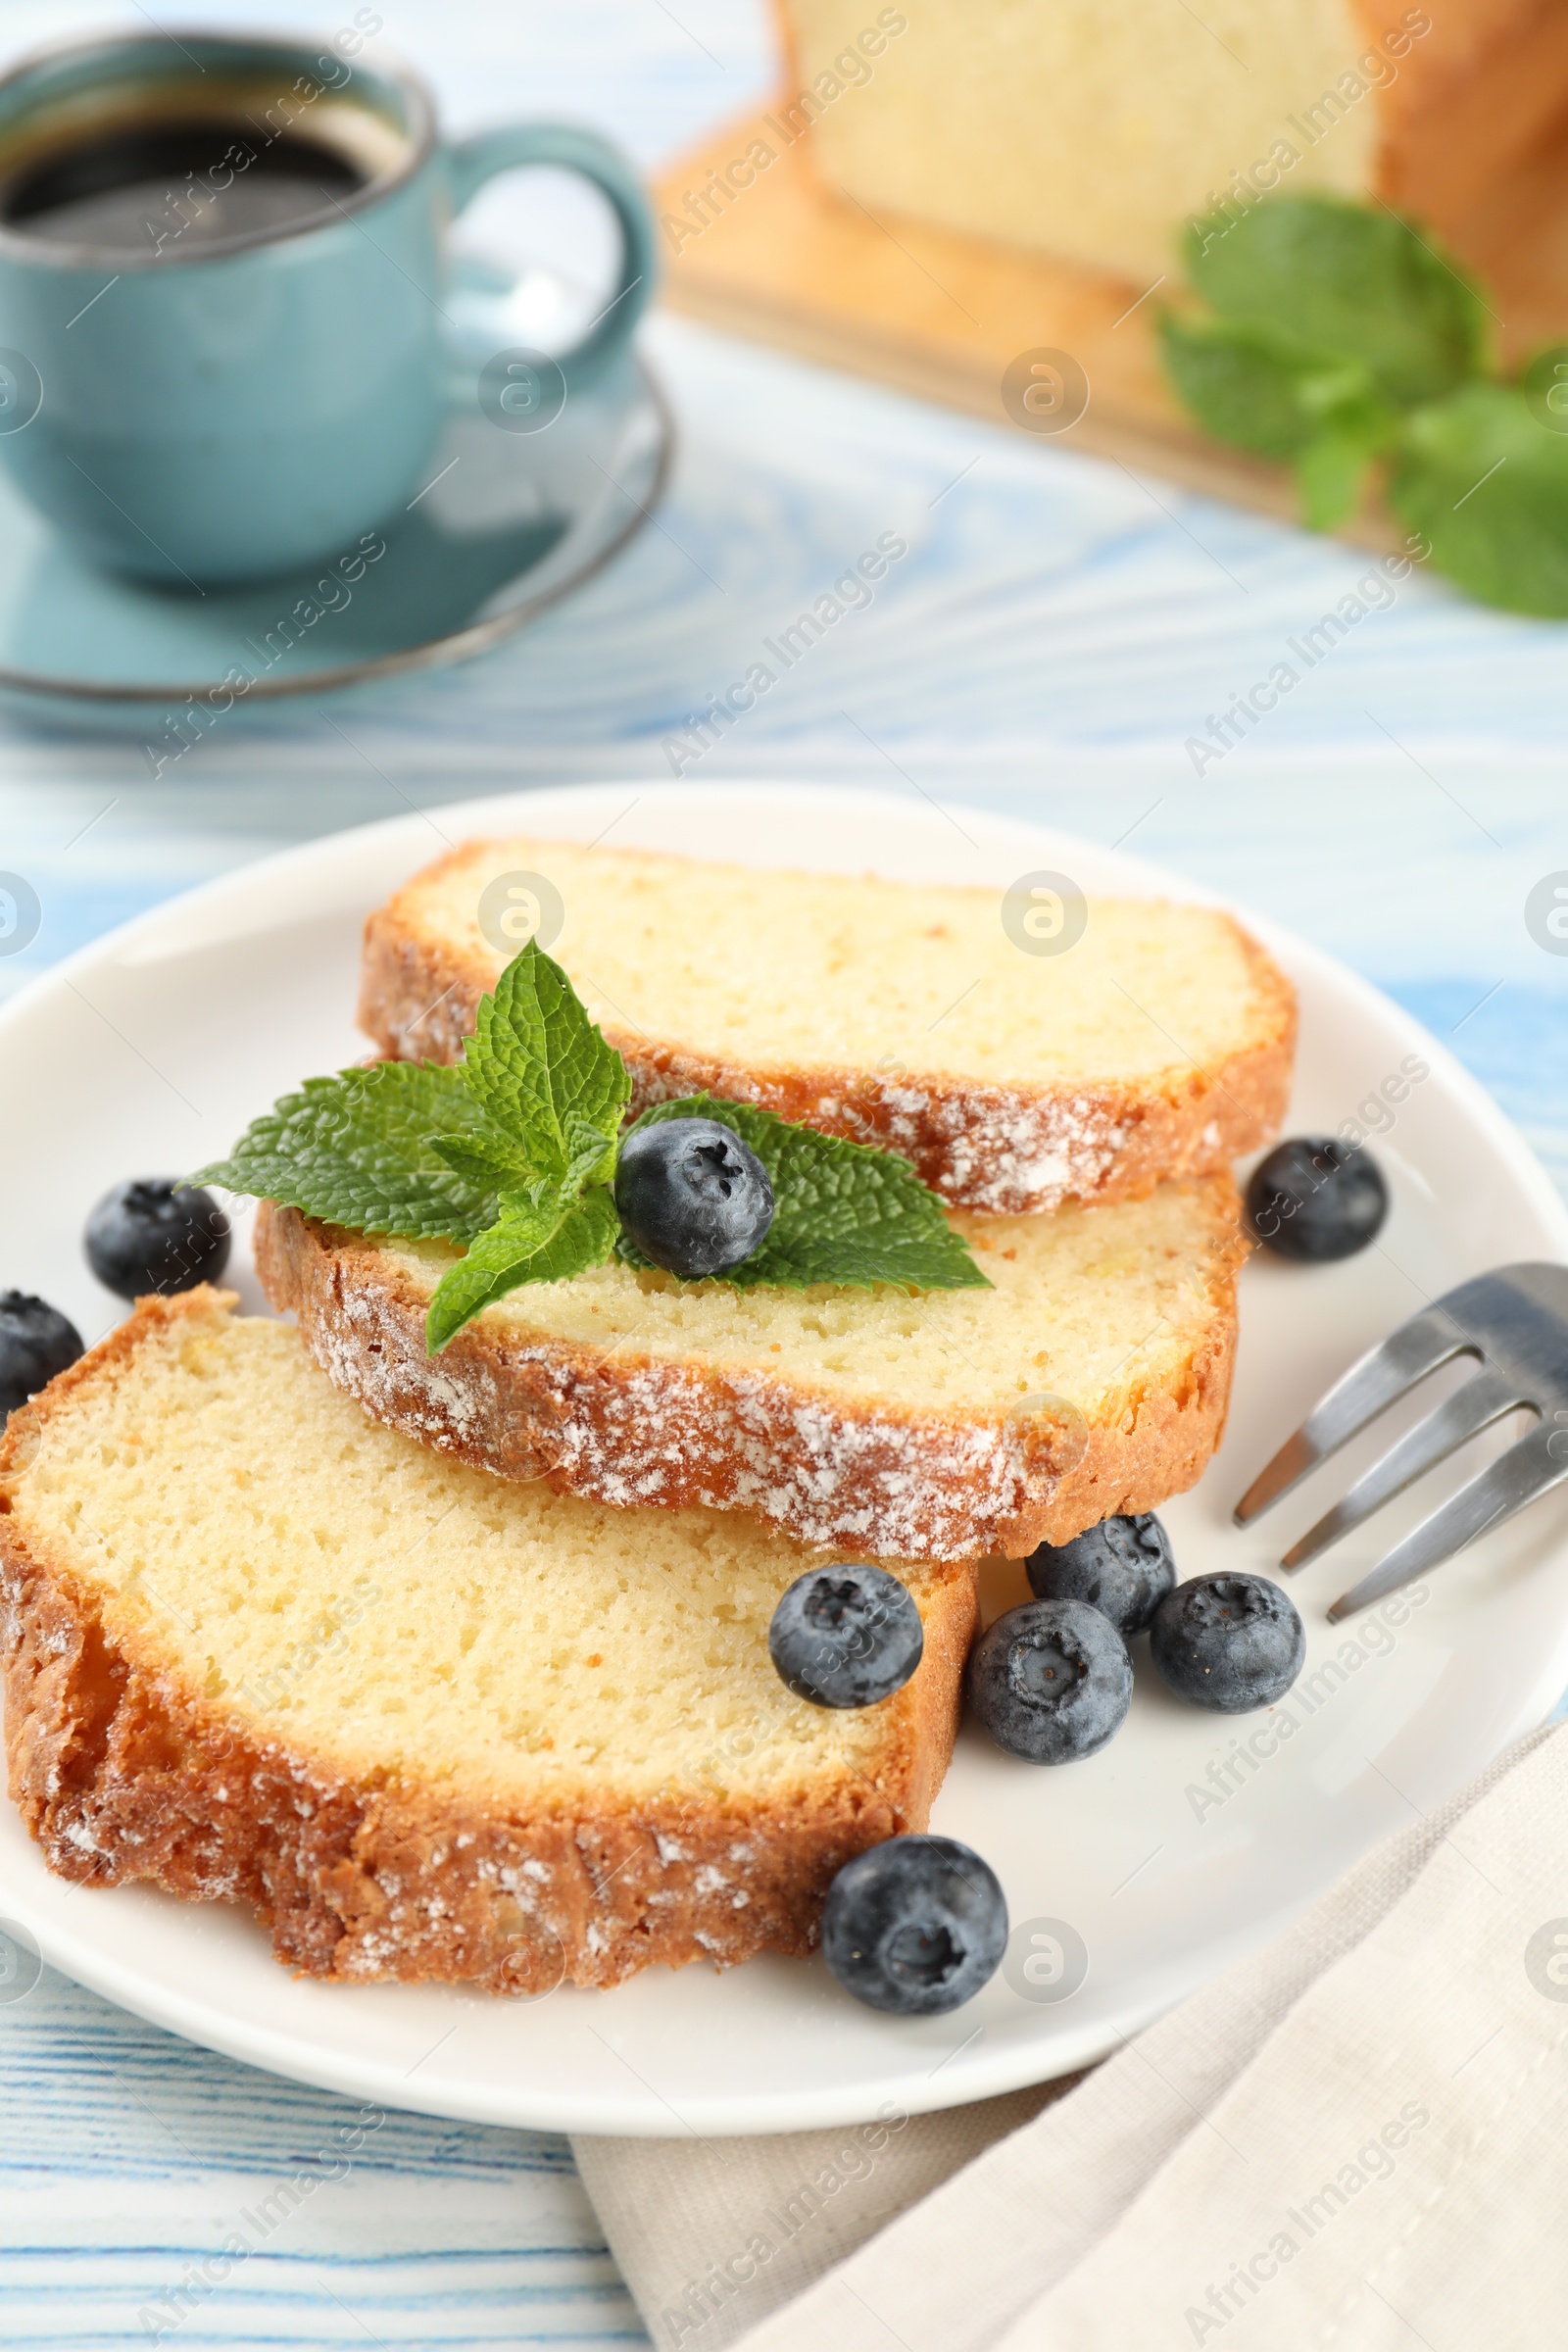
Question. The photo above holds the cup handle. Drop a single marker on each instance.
(514, 145)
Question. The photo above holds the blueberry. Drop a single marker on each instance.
(1052, 1681)
(916, 1926)
(1230, 1642)
(35, 1342)
(143, 1236)
(692, 1195)
(1123, 1568)
(1314, 1199)
(846, 1637)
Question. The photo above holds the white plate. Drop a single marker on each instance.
(153, 1049)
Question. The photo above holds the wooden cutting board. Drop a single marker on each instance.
(796, 263)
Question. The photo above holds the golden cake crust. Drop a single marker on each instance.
(632, 1428)
(122, 1772)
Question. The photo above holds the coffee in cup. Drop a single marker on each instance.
(223, 263)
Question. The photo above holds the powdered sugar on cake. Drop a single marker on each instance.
(1002, 1149)
(677, 1432)
(671, 1432)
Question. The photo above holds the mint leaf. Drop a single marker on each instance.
(1263, 391)
(845, 1214)
(487, 1160)
(1488, 484)
(1544, 385)
(1329, 476)
(1345, 278)
(545, 1236)
(542, 1074)
(1258, 388)
(356, 1150)
(590, 1153)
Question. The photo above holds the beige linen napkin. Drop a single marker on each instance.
(1353, 2139)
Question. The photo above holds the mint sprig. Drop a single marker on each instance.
(1262, 391)
(512, 1155)
(1337, 336)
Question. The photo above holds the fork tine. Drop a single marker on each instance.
(1483, 1400)
(1527, 1470)
(1380, 1376)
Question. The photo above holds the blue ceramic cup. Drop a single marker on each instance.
(260, 378)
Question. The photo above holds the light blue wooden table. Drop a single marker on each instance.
(1057, 632)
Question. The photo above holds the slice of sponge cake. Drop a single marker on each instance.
(1022, 1049)
(424, 1723)
(1090, 1377)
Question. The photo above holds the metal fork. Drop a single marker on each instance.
(1515, 1321)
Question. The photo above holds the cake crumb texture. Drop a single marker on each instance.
(1091, 1377)
(1159, 1044)
(426, 1723)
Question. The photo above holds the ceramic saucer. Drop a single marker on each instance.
(507, 521)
